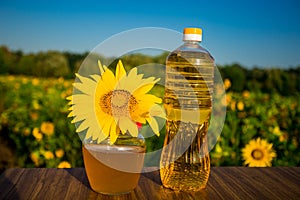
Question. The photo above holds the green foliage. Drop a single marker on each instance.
(65, 64)
(270, 80)
(25, 65)
(74, 60)
(7, 59)
(51, 64)
(237, 75)
(42, 64)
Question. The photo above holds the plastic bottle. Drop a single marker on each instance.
(185, 162)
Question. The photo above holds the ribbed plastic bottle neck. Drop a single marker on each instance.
(191, 42)
(191, 46)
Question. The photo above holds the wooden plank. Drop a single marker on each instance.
(265, 183)
(224, 183)
(8, 180)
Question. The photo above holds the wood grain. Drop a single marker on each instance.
(224, 183)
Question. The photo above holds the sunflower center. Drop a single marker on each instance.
(118, 103)
(257, 154)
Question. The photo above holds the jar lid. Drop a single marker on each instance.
(192, 34)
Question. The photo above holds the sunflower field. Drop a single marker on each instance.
(261, 128)
(252, 116)
(34, 127)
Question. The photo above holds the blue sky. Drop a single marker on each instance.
(252, 33)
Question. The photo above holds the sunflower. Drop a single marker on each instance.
(48, 155)
(59, 153)
(35, 158)
(47, 128)
(227, 84)
(258, 153)
(37, 134)
(64, 164)
(240, 106)
(109, 104)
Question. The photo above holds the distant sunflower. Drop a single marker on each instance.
(64, 164)
(59, 153)
(35, 158)
(47, 128)
(37, 134)
(48, 155)
(258, 153)
(111, 104)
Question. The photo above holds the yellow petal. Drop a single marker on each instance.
(102, 68)
(83, 126)
(113, 132)
(120, 71)
(118, 129)
(122, 124)
(108, 80)
(148, 99)
(158, 111)
(143, 89)
(88, 135)
(71, 114)
(79, 116)
(86, 85)
(99, 129)
(130, 126)
(96, 135)
(147, 83)
(82, 99)
(97, 132)
(107, 126)
(132, 80)
(103, 88)
(138, 118)
(153, 124)
(96, 77)
(101, 137)
(70, 98)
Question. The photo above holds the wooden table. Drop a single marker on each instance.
(224, 183)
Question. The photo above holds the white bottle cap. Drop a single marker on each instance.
(192, 34)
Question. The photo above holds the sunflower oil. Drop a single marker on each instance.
(185, 161)
(113, 169)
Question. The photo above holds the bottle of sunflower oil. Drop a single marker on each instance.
(185, 162)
